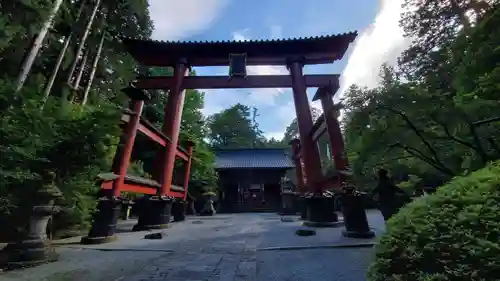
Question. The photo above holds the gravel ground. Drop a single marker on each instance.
(224, 248)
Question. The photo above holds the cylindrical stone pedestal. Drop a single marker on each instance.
(355, 220)
(320, 210)
(302, 207)
(287, 203)
(154, 213)
(104, 225)
(179, 210)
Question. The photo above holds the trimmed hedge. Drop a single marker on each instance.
(452, 235)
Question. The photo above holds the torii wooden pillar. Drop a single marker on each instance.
(331, 113)
(310, 153)
(355, 219)
(295, 143)
(172, 125)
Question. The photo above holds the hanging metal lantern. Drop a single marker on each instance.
(237, 65)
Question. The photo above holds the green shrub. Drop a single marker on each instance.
(453, 234)
(72, 142)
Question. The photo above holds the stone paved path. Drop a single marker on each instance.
(221, 248)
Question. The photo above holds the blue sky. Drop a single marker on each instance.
(380, 40)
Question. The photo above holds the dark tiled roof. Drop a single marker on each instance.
(252, 159)
(349, 35)
(315, 50)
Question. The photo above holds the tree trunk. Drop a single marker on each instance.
(82, 41)
(94, 68)
(76, 86)
(60, 57)
(30, 59)
(81, 70)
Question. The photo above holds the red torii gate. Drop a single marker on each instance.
(293, 53)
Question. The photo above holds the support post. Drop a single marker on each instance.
(319, 210)
(331, 113)
(180, 204)
(104, 224)
(310, 152)
(171, 125)
(155, 211)
(298, 165)
(130, 135)
(188, 168)
(355, 219)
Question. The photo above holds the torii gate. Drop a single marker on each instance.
(292, 53)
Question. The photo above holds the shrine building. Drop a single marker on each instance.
(251, 179)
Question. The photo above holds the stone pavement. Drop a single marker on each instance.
(231, 247)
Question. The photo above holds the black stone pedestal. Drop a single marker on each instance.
(104, 225)
(154, 213)
(179, 210)
(302, 208)
(355, 220)
(320, 211)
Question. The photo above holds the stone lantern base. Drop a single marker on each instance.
(104, 225)
(287, 203)
(35, 248)
(208, 208)
(154, 213)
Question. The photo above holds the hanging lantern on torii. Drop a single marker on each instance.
(238, 65)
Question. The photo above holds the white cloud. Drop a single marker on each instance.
(276, 135)
(381, 42)
(286, 113)
(174, 19)
(262, 96)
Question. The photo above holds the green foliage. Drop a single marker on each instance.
(75, 144)
(450, 235)
(426, 126)
(234, 128)
(412, 185)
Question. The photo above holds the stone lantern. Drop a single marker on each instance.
(34, 247)
(208, 208)
(288, 197)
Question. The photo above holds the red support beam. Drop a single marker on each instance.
(331, 114)
(154, 135)
(141, 189)
(126, 152)
(310, 153)
(172, 125)
(188, 168)
(128, 187)
(224, 82)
